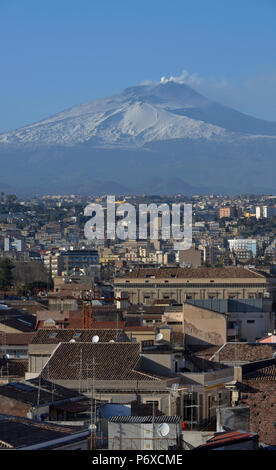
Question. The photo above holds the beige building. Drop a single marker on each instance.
(144, 286)
(198, 325)
(190, 258)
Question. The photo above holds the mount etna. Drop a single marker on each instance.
(160, 138)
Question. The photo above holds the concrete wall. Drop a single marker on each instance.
(162, 363)
(141, 436)
(234, 418)
(202, 326)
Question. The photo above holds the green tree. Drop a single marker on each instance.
(6, 276)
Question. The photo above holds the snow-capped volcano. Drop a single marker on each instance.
(135, 117)
(148, 138)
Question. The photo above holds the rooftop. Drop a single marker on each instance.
(36, 391)
(16, 432)
(195, 273)
(227, 438)
(47, 336)
(244, 352)
(112, 361)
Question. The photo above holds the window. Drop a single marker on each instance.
(250, 321)
(53, 335)
(77, 335)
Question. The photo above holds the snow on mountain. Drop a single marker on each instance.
(134, 117)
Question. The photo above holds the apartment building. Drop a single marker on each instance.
(79, 259)
(145, 285)
(246, 244)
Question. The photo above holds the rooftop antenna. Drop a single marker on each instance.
(38, 391)
(80, 375)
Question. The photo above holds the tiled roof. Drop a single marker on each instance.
(205, 352)
(46, 336)
(18, 432)
(267, 374)
(18, 339)
(28, 391)
(245, 352)
(227, 438)
(112, 361)
(200, 273)
(24, 323)
(14, 367)
(108, 325)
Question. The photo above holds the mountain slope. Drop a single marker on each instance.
(143, 134)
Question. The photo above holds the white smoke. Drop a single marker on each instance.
(184, 78)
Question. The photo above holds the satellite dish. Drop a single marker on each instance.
(163, 429)
(112, 341)
(159, 337)
(7, 356)
(95, 339)
(72, 341)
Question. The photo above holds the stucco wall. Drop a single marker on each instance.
(204, 326)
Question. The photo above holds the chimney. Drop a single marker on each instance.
(238, 373)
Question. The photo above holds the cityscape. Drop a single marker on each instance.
(137, 230)
(100, 336)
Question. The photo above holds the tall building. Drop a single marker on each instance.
(53, 263)
(265, 212)
(14, 244)
(79, 259)
(228, 211)
(246, 244)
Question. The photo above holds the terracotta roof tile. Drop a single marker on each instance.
(201, 272)
(245, 352)
(113, 361)
(46, 336)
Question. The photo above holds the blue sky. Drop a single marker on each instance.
(58, 53)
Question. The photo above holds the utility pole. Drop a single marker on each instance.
(153, 419)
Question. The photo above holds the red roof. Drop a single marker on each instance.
(228, 438)
(268, 339)
(108, 324)
(139, 328)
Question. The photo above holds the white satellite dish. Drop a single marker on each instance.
(159, 337)
(72, 341)
(7, 356)
(112, 341)
(95, 339)
(163, 430)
